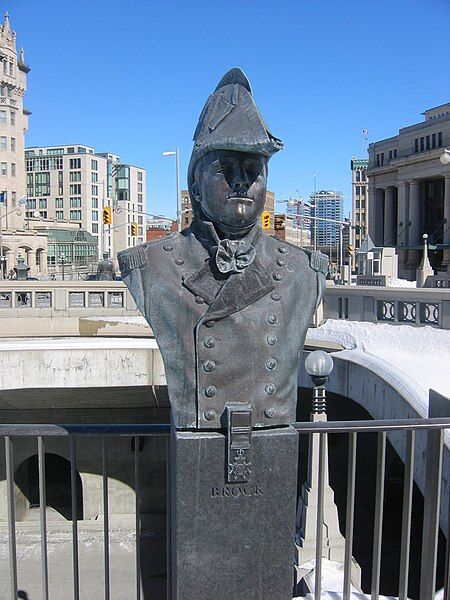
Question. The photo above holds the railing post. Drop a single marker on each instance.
(432, 490)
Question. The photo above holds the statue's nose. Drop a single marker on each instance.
(241, 182)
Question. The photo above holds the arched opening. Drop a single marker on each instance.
(58, 484)
(41, 260)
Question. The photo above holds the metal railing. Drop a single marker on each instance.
(435, 430)
(432, 494)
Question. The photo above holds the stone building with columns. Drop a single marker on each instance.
(409, 192)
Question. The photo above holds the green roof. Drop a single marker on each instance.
(69, 236)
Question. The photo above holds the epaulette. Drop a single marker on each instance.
(133, 258)
(318, 261)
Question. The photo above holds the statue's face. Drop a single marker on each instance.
(231, 187)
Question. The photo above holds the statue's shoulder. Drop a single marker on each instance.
(139, 256)
(315, 259)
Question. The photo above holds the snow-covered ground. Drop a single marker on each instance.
(415, 354)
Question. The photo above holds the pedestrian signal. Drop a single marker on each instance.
(107, 215)
(134, 229)
(265, 219)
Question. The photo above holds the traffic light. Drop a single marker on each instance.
(107, 215)
(265, 219)
(134, 229)
(350, 250)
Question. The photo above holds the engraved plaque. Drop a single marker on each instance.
(5, 299)
(115, 299)
(76, 299)
(43, 299)
(96, 299)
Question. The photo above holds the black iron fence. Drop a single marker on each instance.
(434, 428)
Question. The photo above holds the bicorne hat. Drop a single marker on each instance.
(231, 120)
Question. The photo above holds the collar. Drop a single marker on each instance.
(206, 234)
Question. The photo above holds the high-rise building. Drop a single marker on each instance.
(187, 214)
(409, 191)
(360, 194)
(72, 184)
(13, 125)
(328, 204)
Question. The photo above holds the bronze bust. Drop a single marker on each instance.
(229, 305)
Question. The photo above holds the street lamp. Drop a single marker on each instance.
(445, 157)
(318, 365)
(176, 153)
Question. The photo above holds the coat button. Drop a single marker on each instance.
(179, 261)
(168, 247)
(199, 300)
(271, 363)
(209, 415)
(210, 391)
(272, 319)
(282, 249)
(209, 365)
(271, 339)
(281, 262)
(275, 296)
(270, 389)
(210, 323)
(269, 412)
(278, 276)
(209, 342)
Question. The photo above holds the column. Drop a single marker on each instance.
(370, 208)
(31, 262)
(9, 261)
(402, 220)
(389, 233)
(414, 213)
(446, 260)
(43, 262)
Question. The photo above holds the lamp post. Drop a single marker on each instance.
(62, 258)
(318, 533)
(176, 153)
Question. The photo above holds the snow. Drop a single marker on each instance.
(418, 356)
(76, 343)
(396, 282)
(129, 320)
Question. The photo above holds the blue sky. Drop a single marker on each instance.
(132, 77)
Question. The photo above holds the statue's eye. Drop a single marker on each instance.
(224, 169)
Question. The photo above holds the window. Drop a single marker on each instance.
(59, 214)
(94, 165)
(94, 202)
(13, 169)
(139, 176)
(439, 139)
(13, 144)
(363, 176)
(75, 176)
(395, 153)
(13, 117)
(94, 227)
(416, 145)
(74, 163)
(140, 198)
(3, 142)
(75, 215)
(75, 202)
(94, 189)
(3, 168)
(140, 220)
(94, 177)
(358, 175)
(95, 215)
(11, 67)
(433, 140)
(357, 204)
(59, 203)
(13, 197)
(428, 142)
(3, 117)
(43, 203)
(363, 190)
(422, 144)
(75, 188)
(140, 208)
(357, 189)
(139, 187)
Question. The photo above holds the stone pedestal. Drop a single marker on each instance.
(233, 541)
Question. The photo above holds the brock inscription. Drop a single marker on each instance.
(236, 491)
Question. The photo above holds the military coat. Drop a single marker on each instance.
(226, 338)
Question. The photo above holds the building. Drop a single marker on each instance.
(72, 184)
(13, 125)
(158, 227)
(187, 214)
(328, 204)
(360, 193)
(409, 191)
